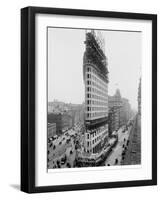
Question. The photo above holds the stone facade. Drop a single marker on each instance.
(96, 94)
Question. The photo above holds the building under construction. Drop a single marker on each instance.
(95, 74)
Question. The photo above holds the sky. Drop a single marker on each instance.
(65, 64)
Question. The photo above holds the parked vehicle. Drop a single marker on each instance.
(63, 160)
(116, 161)
(68, 165)
(71, 151)
(50, 145)
(54, 147)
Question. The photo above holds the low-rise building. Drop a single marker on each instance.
(51, 129)
(63, 121)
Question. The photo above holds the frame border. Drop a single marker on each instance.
(28, 99)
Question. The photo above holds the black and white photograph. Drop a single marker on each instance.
(89, 99)
(94, 97)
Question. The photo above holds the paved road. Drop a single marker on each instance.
(117, 150)
(62, 149)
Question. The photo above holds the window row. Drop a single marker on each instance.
(96, 132)
(94, 71)
(91, 83)
(98, 103)
(90, 89)
(93, 77)
(89, 143)
(96, 114)
(97, 109)
(93, 96)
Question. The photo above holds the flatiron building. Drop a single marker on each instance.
(95, 75)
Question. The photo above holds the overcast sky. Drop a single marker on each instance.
(65, 64)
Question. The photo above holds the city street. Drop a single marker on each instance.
(100, 127)
(118, 149)
(133, 154)
(62, 151)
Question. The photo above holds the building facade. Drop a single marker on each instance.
(57, 106)
(76, 111)
(63, 121)
(51, 129)
(114, 118)
(126, 111)
(139, 98)
(120, 111)
(95, 75)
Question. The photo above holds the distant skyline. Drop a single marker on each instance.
(65, 64)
